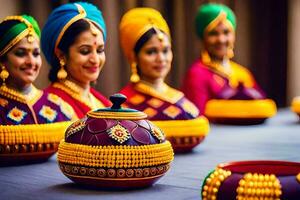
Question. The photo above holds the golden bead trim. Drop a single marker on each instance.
(213, 183)
(298, 177)
(33, 95)
(27, 148)
(259, 185)
(182, 128)
(110, 173)
(117, 115)
(32, 133)
(115, 156)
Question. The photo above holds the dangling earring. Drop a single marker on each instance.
(230, 53)
(62, 73)
(134, 78)
(4, 74)
(205, 57)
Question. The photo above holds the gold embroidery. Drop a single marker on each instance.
(48, 113)
(54, 99)
(190, 108)
(172, 111)
(150, 112)
(155, 103)
(3, 102)
(119, 133)
(16, 114)
(137, 99)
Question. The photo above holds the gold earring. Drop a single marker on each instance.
(4, 74)
(205, 57)
(134, 78)
(62, 73)
(230, 53)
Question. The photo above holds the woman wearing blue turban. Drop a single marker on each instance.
(73, 41)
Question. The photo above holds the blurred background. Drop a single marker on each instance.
(267, 40)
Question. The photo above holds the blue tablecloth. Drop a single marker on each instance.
(277, 139)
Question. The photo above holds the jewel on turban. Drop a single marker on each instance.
(61, 19)
(135, 23)
(210, 15)
(15, 28)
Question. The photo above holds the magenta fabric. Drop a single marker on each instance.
(202, 83)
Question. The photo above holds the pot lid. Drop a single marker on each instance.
(116, 111)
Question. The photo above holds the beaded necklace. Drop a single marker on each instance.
(30, 98)
(76, 92)
(168, 94)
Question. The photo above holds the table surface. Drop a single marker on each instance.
(277, 139)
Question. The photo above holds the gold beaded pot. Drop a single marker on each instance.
(272, 180)
(22, 144)
(295, 107)
(114, 148)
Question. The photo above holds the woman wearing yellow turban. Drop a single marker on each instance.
(223, 89)
(146, 42)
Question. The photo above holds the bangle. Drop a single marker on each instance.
(253, 179)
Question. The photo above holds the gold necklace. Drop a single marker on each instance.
(170, 95)
(76, 92)
(29, 98)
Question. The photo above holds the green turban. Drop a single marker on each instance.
(210, 15)
(15, 28)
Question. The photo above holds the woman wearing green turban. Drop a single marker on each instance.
(27, 133)
(20, 60)
(222, 89)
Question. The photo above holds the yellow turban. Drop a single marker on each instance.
(135, 23)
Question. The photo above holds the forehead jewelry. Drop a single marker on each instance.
(159, 33)
(30, 35)
(95, 31)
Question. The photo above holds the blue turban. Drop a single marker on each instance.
(61, 19)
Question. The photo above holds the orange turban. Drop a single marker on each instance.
(135, 23)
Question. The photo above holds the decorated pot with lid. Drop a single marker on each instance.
(114, 148)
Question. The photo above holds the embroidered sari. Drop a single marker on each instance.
(71, 94)
(170, 111)
(36, 107)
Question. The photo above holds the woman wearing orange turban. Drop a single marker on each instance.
(225, 91)
(146, 42)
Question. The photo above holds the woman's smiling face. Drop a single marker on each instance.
(86, 57)
(23, 62)
(154, 58)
